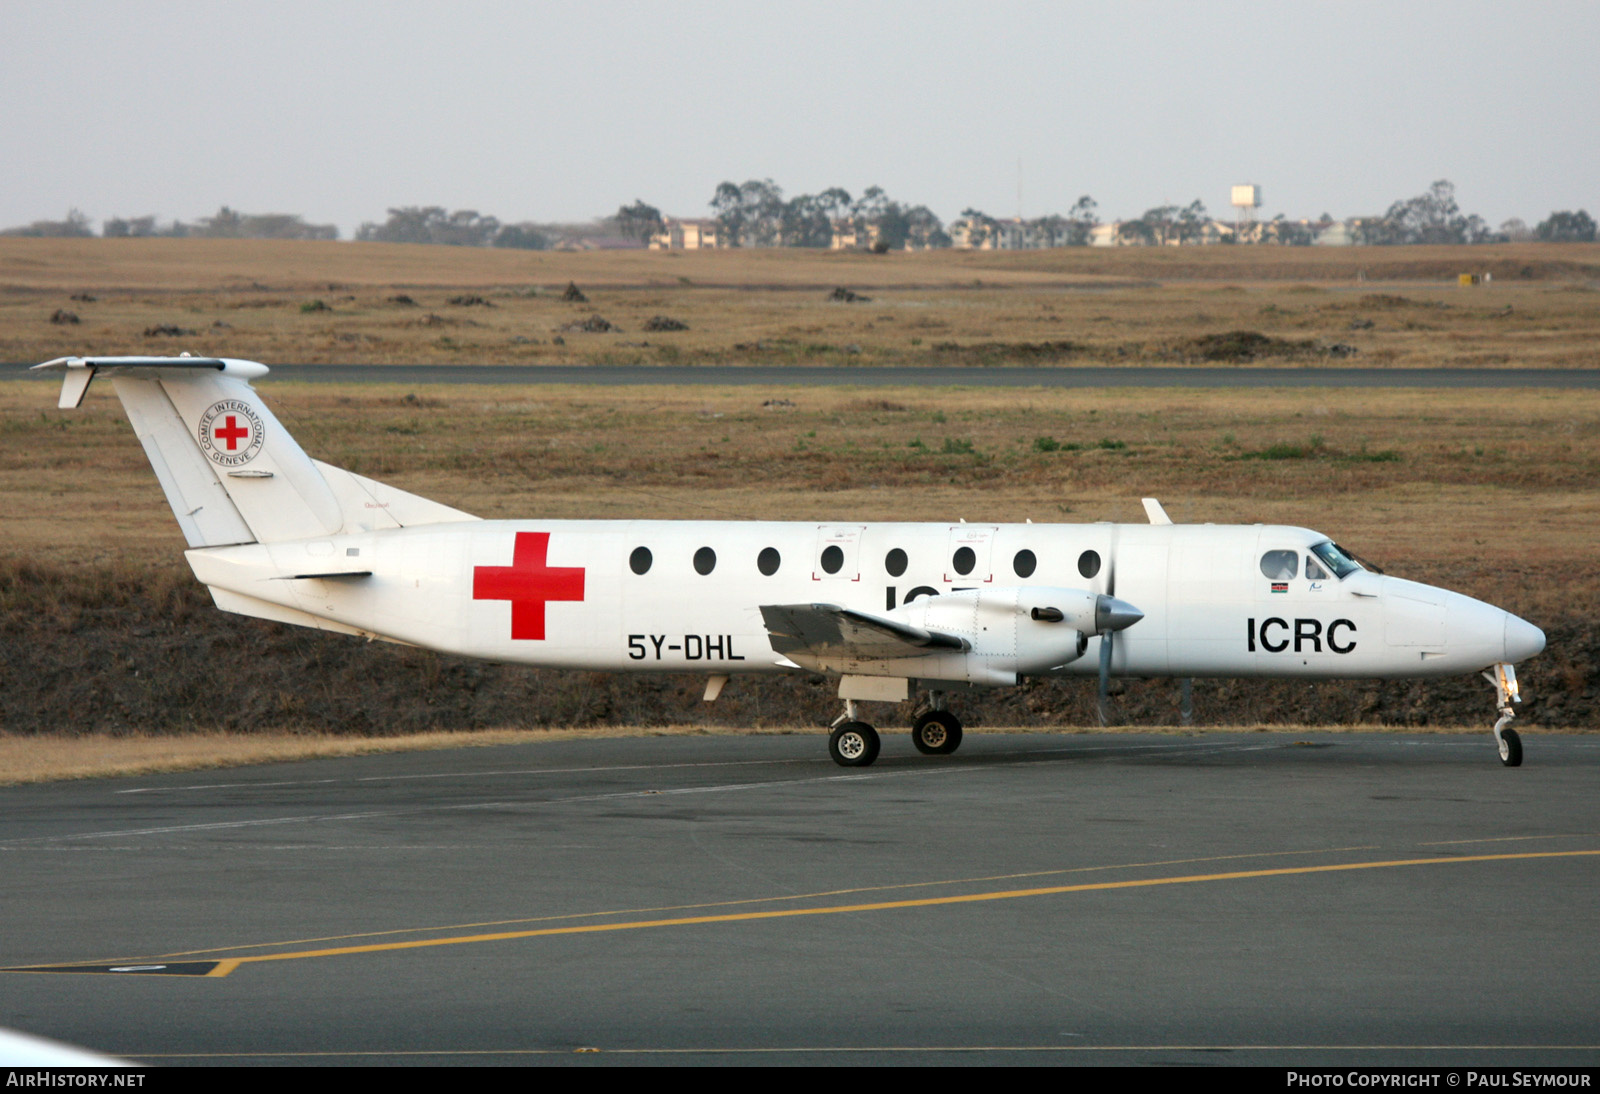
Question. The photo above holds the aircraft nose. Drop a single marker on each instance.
(1523, 639)
(1111, 614)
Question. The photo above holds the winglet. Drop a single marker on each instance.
(1153, 510)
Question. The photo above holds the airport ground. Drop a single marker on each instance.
(1279, 900)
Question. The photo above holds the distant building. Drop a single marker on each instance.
(688, 235)
(853, 234)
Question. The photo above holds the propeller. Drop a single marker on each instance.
(1106, 635)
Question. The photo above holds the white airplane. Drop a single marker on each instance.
(884, 608)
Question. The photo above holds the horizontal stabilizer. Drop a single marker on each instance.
(79, 371)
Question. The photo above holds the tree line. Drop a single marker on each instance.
(756, 213)
(226, 224)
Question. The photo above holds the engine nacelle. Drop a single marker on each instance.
(1017, 630)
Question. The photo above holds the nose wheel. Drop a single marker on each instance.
(1510, 748)
(1504, 679)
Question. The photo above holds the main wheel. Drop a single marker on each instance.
(853, 744)
(936, 733)
(1510, 748)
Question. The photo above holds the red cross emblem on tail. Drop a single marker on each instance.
(230, 433)
(529, 583)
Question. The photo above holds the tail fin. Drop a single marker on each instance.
(231, 472)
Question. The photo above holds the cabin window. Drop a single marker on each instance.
(895, 562)
(1025, 563)
(768, 561)
(832, 558)
(1089, 563)
(640, 560)
(964, 560)
(1280, 565)
(705, 560)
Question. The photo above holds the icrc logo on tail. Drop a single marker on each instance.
(231, 433)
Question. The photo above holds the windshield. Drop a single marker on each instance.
(1334, 558)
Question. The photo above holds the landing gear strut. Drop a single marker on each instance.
(852, 743)
(936, 732)
(1504, 679)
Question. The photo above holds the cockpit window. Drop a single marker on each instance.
(1314, 571)
(1280, 565)
(1335, 559)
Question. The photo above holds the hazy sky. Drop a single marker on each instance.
(550, 112)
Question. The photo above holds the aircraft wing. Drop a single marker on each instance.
(828, 632)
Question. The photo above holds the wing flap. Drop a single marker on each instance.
(829, 632)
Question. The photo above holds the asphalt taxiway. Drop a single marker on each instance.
(1076, 376)
(1095, 898)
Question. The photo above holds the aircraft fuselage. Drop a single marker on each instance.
(685, 596)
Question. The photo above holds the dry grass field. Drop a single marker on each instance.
(1489, 492)
(309, 303)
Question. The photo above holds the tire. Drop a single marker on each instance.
(936, 733)
(1510, 748)
(853, 744)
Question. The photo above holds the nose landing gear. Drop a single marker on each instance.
(1504, 679)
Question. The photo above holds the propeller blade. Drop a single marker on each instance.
(1105, 677)
(1106, 630)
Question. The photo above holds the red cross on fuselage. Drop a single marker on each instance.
(232, 432)
(528, 583)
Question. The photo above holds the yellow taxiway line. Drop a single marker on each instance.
(227, 965)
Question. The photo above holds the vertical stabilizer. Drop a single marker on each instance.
(204, 511)
(231, 472)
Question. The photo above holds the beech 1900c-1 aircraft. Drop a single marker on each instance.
(884, 608)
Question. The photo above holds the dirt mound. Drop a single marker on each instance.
(434, 320)
(997, 353)
(592, 324)
(662, 322)
(573, 294)
(842, 295)
(1243, 345)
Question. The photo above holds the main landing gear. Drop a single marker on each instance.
(1504, 679)
(936, 733)
(854, 743)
